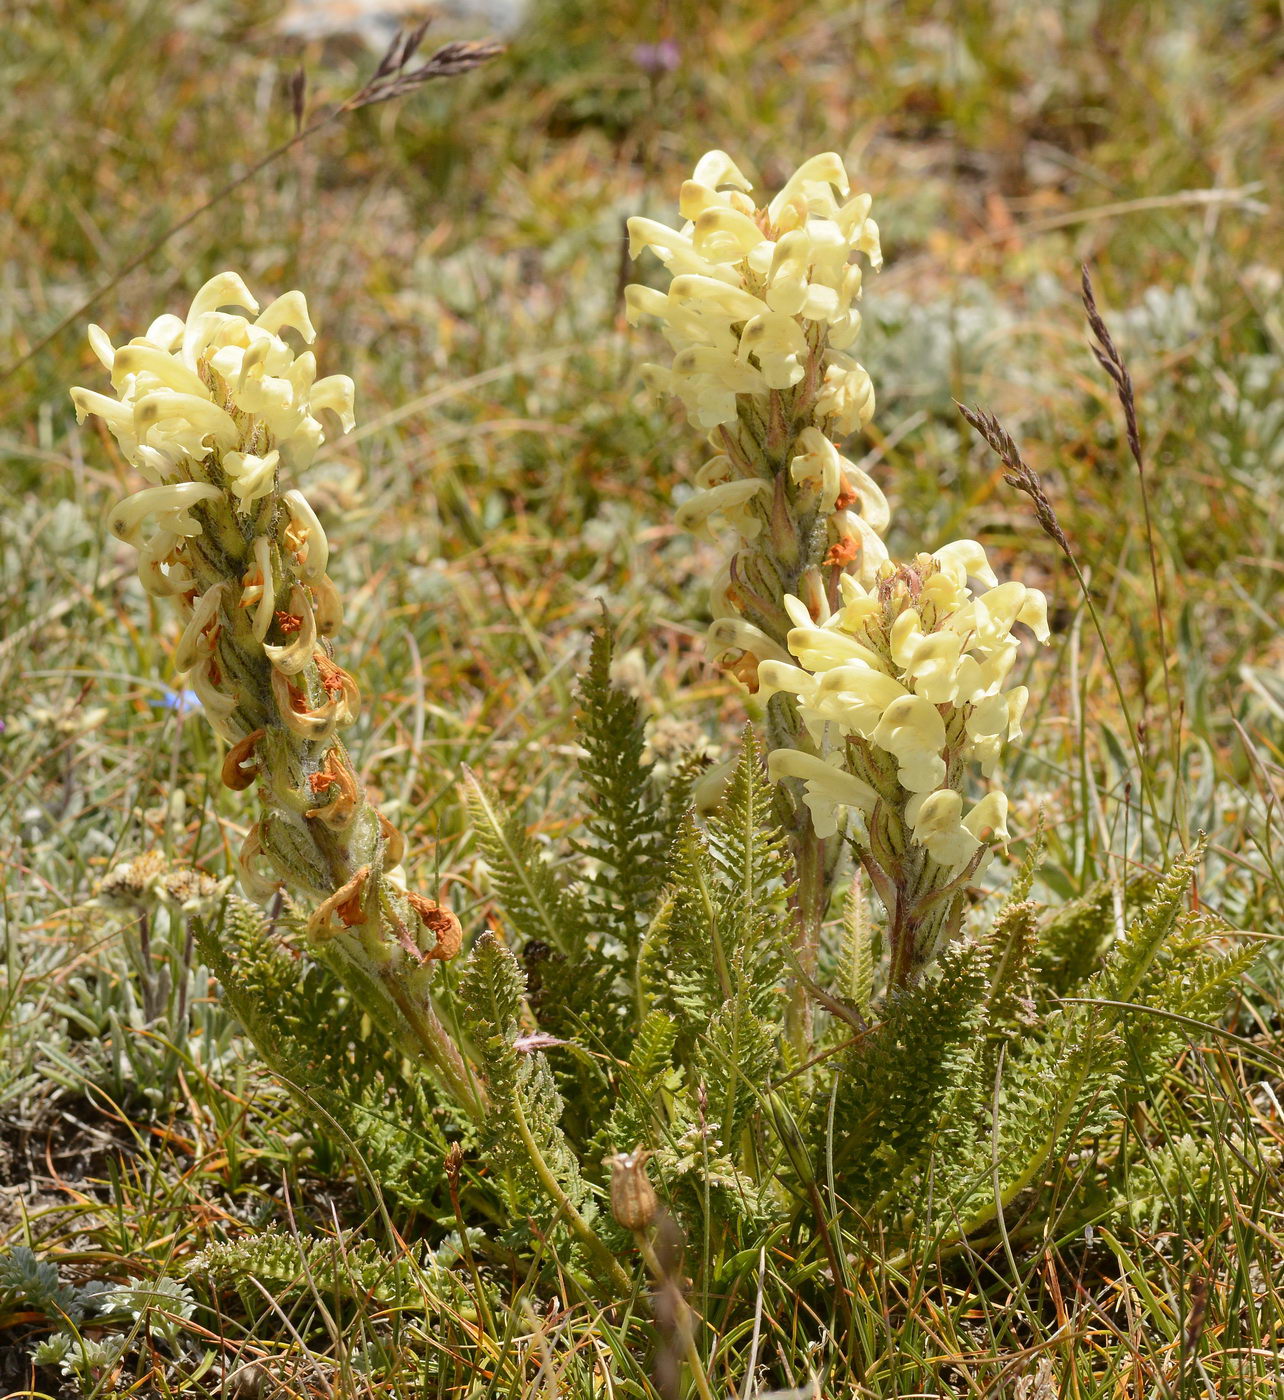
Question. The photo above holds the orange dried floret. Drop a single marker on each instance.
(847, 496)
(335, 773)
(235, 776)
(345, 902)
(442, 922)
(843, 552)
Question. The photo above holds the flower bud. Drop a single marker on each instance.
(790, 1137)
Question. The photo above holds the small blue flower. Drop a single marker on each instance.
(184, 702)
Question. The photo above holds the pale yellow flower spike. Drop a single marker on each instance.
(759, 314)
(212, 410)
(904, 687)
(885, 685)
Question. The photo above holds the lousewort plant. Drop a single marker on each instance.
(900, 688)
(666, 1038)
(218, 413)
(760, 312)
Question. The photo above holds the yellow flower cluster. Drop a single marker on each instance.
(760, 313)
(218, 380)
(902, 690)
(214, 407)
(755, 293)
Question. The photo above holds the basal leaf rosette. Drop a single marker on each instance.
(903, 692)
(760, 313)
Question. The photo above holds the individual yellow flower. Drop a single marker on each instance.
(830, 789)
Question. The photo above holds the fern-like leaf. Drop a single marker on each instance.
(695, 976)
(1207, 982)
(1130, 958)
(753, 880)
(535, 901)
(524, 1142)
(349, 1268)
(747, 847)
(855, 971)
(899, 1082)
(735, 1060)
(1009, 946)
(336, 1060)
(642, 1085)
(624, 828)
(1061, 1088)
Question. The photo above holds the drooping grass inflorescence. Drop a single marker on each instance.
(217, 412)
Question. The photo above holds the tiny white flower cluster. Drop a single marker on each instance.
(902, 688)
(213, 408)
(757, 293)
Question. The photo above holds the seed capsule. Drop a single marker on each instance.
(633, 1200)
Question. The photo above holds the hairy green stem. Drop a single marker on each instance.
(441, 1051)
(814, 860)
(681, 1314)
(593, 1244)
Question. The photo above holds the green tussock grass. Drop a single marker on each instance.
(463, 253)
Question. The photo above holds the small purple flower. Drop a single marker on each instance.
(657, 58)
